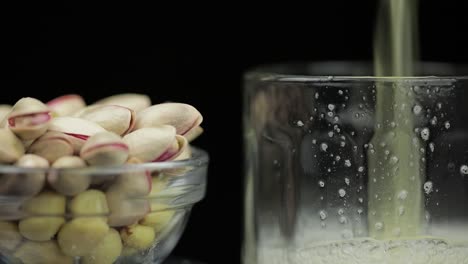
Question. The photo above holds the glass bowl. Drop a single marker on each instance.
(129, 214)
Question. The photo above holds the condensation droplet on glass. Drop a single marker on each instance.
(392, 124)
(403, 195)
(324, 146)
(343, 220)
(342, 144)
(434, 121)
(321, 183)
(425, 134)
(393, 160)
(417, 109)
(331, 107)
(428, 216)
(314, 141)
(439, 105)
(396, 231)
(387, 152)
(347, 163)
(361, 200)
(354, 148)
(346, 97)
(342, 192)
(316, 95)
(337, 158)
(352, 133)
(323, 224)
(330, 114)
(447, 124)
(347, 181)
(336, 119)
(340, 211)
(329, 170)
(422, 150)
(322, 115)
(464, 169)
(275, 162)
(361, 106)
(378, 226)
(321, 198)
(299, 123)
(361, 168)
(340, 92)
(428, 187)
(401, 210)
(432, 146)
(323, 214)
(359, 211)
(330, 133)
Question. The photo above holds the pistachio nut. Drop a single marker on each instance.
(66, 105)
(107, 251)
(104, 148)
(136, 238)
(11, 148)
(4, 111)
(77, 129)
(29, 118)
(69, 182)
(134, 101)
(134, 183)
(154, 144)
(89, 203)
(159, 218)
(31, 252)
(113, 118)
(124, 210)
(80, 236)
(10, 237)
(52, 146)
(25, 183)
(45, 216)
(183, 117)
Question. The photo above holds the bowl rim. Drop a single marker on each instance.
(199, 158)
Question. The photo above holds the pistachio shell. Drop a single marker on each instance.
(113, 118)
(134, 101)
(125, 211)
(10, 237)
(133, 184)
(78, 129)
(66, 104)
(29, 118)
(183, 117)
(52, 146)
(4, 110)
(176, 148)
(68, 182)
(192, 134)
(11, 148)
(25, 184)
(104, 148)
(153, 144)
(41, 252)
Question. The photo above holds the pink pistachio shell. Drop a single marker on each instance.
(104, 148)
(69, 182)
(114, 118)
(66, 105)
(51, 146)
(29, 118)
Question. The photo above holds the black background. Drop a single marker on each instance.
(197, 53)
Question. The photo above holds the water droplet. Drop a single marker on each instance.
(331, 107)
(464, 169)
(401, 210)
(323, 214)
(299, 123)
(387, 152)
(347, 234)
(434, 121)
(359, 211)
(431, 146)
(392, 124)
(342, 144)
(330, 133)
(403, 195)
(330, 114)
(378, 226)
(314, 141)
(337, 158)
(343, 220)
(324, 146)
(425, 134)
(360, 199)
(316, 95)
(322, 115)
(340, 211)
(275, 162)
(417, 109)
(393, 160)
(447, 124)
(341, 192)
(346, 181)
(340, 92)
(361, 168)
(428, 187)
(336, 119)
(321, 183)
(347, 163)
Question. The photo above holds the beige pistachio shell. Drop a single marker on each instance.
(69, 182)
(154, 144)
(29, 118)
(134, 101)
(4, 110)
(52, 146)
(77, 129)
(192, 134)
(27, 183)
(183, 117)
(125, 211)
(133, 184)
(31, 252)
(104, 149)
(66, 105)
(11, 148)
(113, 118)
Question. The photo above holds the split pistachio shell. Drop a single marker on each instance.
(66, 105)
(4, 110)
(113, 118)
(29, 118)
(90, 202)
(107, 251)
(104, 148)
(137, 237)
(40, 228)
(82, 235)
(11, 147)
(134, 101)
(52, 146)
(154, 144)
(183, 117)
(31, 252)
(69, 182)
(77, 129)
(25, 183)
(10, 237)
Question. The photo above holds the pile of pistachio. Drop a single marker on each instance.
(57, 217)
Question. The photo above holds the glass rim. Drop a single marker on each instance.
(272, 73)
(199, 158)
